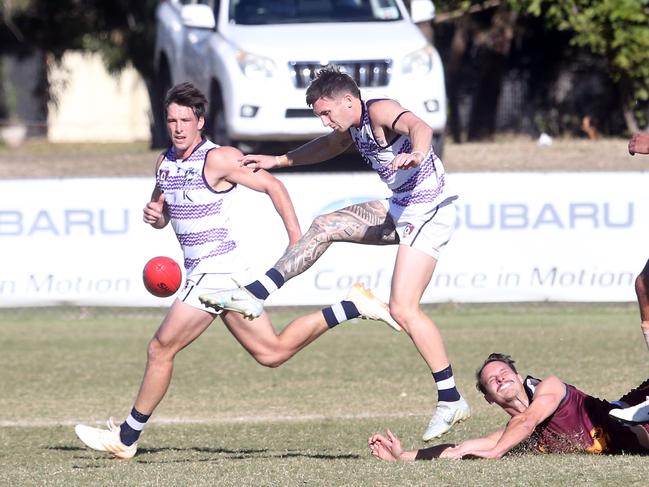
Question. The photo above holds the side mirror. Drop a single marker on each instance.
(198, 16)
(422, 11)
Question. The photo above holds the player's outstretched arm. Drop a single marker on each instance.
(639, 144)
(389, 448)
(464, 449)
(223, 165)
(318, 150)
(546, 400)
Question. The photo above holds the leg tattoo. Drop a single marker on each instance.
(366, 223)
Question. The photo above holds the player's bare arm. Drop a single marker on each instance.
(546, 400)
(366, 223)
(154, 212)
(389, 448)
(222, 170)
(464, 449)
(639, 144)
(384, 113)
(317, 150)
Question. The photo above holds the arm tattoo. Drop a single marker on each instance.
(366, 223)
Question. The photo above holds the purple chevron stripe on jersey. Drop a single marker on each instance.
(425, 196)
(385, 172)
(173, 183)
(405, 147)
(188, 212)
(197, 156)
(426, 170)
(224, 248)
(200, 238)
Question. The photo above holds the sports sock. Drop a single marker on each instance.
(130, 430)
(339, 312)
(446, 390)
(270, 282)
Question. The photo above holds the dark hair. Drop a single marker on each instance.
(187, 95)
(494, 357)
(329, 82)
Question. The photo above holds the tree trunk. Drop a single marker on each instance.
(458, 50)
(628, 103)
(496, 45)
(482, 124)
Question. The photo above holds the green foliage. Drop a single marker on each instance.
(617, 30)
(122, 31)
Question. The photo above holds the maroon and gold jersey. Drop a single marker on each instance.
(581, 423)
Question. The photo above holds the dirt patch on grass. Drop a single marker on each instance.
(41, 159)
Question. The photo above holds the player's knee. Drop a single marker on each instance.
(270, 361)
(270, 358)
(319, 225)
(397, 312)
(159, 350)
(404, 314)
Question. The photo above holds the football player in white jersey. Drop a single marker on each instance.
(195, 183)
(420, 217)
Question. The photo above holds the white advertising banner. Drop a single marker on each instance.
(520, 237)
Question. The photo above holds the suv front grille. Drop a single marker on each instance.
(365, 73)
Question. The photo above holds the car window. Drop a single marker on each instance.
(253, 12)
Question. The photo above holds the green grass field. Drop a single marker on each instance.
(228, 421)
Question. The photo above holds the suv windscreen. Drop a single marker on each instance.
(255, 12)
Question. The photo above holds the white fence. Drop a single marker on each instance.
(520, 237)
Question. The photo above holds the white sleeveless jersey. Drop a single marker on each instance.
(200, 216)
(414, 190)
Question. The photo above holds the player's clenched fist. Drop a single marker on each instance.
(153, 211)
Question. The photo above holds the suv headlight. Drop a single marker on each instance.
(418, 62)
(254, 66)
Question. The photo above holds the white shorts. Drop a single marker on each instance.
(198, 284)
(429, 231)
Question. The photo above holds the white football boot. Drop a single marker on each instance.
(638, 414)
(239, 300)
(369, 306)
(107, 440)
(446, 415)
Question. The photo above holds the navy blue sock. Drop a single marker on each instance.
(339, 312)
(129, 430)
(446, 390)
(262, 288)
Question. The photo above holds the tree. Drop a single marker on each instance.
(122, 31)
(617, 30)
(489, 28)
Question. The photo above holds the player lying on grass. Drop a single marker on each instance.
(195, 191)
(553, 416)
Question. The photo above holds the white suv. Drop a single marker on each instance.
(255, 58)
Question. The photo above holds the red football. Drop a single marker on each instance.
(162, 276)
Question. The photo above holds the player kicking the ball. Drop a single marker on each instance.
(420, 217)
(196, 185)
